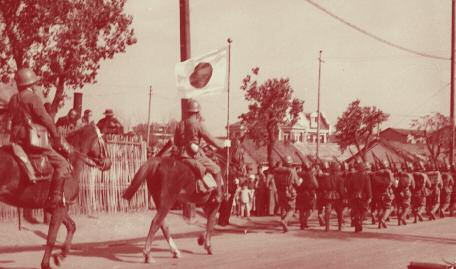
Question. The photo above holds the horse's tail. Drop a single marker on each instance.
(146, 170)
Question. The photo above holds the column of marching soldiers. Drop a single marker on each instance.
(384, 191)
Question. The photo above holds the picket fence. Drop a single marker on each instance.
(102, 191)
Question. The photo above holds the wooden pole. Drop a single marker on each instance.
(184, 15)
(228, 115)
(148, 118)
(452, 85)
(318, 105)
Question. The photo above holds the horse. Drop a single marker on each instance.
(17, 190)
(170, 179)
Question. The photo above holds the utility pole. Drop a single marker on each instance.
(452, 85)
(188, 209)
(318, 104)
(185, 50)
(148, 117)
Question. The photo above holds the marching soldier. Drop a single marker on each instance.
(334, 195)
(306, 194)
(433, 200)
(405, 185)
(382, 189)
(360, 191)
(447, 190)
(322, 171)
(286, 179)
(420, 192)
(453, 194)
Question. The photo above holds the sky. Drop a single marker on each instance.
(284, 38)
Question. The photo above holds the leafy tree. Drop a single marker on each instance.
(62, 41)
(271, 105)
(435, 131)
(356, 126)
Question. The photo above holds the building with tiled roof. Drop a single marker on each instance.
(304, 131)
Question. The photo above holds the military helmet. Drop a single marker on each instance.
(193, 106)
(25, 77)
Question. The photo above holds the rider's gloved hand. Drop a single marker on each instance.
(227, 143)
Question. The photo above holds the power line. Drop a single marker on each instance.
(382, 40)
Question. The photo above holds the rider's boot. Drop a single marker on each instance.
(55, 193)
(219, 189)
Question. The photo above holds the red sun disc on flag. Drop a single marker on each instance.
(201, 75)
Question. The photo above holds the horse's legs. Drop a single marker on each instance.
(71, 229)
(56, 220)
(172, 246)
(165, 228)
(211, 212)
(154, 225)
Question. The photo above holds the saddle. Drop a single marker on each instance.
(35, 165)
(205, 181)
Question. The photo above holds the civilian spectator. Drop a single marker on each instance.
(261, 193)
(245, 199)
(70, 121)
(110, 124)
(87, 117)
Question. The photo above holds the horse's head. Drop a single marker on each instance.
(90, 146)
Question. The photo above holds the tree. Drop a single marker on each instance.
(356, 126)
(62, 41)
(434, 129)
(271, 105)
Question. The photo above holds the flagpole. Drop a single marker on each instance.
(228, 115)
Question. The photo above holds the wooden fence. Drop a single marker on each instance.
(102, 191)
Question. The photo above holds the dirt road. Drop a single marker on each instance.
(116, 241)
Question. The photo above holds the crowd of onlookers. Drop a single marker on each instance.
(255, 194)
(109, 124)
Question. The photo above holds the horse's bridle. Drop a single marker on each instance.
(103, 161)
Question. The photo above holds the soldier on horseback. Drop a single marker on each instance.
(26, 108)
(187, 138)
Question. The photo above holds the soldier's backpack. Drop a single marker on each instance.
(381, 181)
(435, 177)
(404, 180)
(420, 183)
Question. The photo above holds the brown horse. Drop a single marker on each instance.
(169, 180)
(17, 190)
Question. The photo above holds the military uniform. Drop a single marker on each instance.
(447, 190)
(330, 187)
(286, 179)
(360, 192)
(433, 200)
(419, 194)
(404, 195)
(187, 138)
(305, 199)
(382, 191)
(26, 102)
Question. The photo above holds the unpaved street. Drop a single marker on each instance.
(109, 241)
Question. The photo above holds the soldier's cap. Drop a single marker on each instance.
(108, 112)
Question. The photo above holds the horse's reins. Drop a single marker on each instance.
(93, 161)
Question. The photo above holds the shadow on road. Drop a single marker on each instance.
(350, 235)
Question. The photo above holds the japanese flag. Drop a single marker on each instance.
(204, 75)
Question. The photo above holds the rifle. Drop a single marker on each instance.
(377, 159)
(390, 162)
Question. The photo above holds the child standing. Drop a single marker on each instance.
(246, 198)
